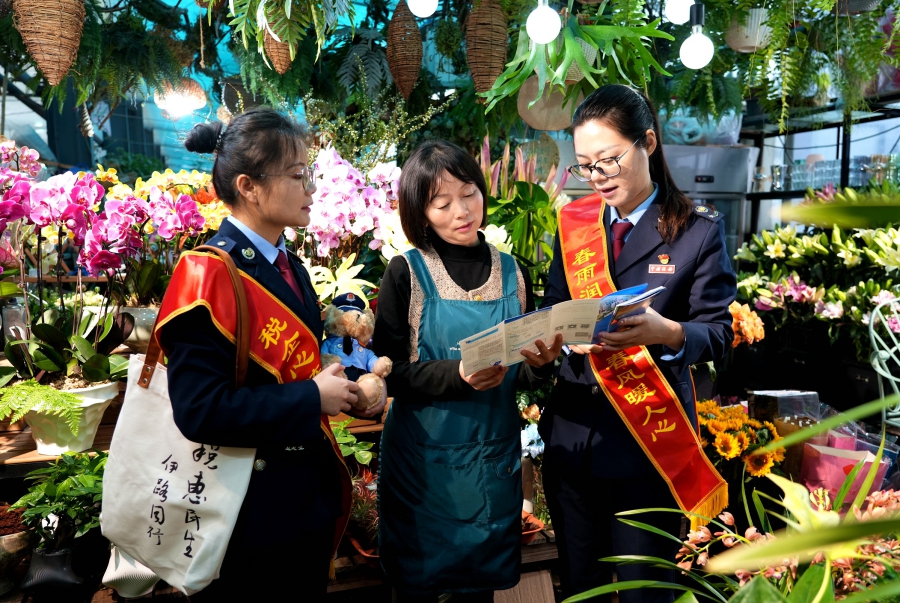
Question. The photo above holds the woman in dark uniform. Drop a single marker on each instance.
(620, 425)
(292, 515)
(449, 487)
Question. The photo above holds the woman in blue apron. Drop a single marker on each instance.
(450, 485)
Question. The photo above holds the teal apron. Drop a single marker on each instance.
(450, 479)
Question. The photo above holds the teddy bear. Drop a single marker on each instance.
(348, 329)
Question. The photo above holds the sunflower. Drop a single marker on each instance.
(716, 426)
(759, 465)
(727, 446)
(743, 440)
(778, 455)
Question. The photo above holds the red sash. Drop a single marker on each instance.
(279, 341)
(631, 380)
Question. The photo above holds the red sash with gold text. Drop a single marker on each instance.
(631, 380)
(279, 341)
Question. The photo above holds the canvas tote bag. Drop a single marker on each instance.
(170, 503)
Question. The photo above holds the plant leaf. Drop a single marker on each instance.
(802, 545)
(807, 588)
(759, 590)
(96, 368)
(629, 585)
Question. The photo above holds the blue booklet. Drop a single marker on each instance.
(626, 302)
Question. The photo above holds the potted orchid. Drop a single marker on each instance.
(346, 224)
(64, 366)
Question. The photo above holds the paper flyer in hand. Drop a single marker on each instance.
(579, 321)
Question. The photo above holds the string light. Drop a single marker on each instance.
(422, 8)
(678, 11)
(180, 100)
(697, 51)
(543, 24)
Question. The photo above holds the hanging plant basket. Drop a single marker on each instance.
(751, 36)
(574, 74)
(846, 8)
(5, 8)
(205, 4)
(548, 112)
(486, 40)
(279, 53)
(404, 49)
(51, 30)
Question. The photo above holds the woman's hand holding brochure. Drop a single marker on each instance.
(584, 322)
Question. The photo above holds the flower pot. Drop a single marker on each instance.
(548, 113)
(129, 578)
(13, 548)
(144, 321)
(53, 436)
(50, 575)
(752, 35)
(531, 525)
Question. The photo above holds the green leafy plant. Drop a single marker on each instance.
(361, 451)
(619, 31)
(18, 399)
(49, 353)
(70, 489)
(523, 202)
(805, 562)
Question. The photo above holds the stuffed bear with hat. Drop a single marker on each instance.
(349, 325)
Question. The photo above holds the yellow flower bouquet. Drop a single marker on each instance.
(730, 439)
(746, 324)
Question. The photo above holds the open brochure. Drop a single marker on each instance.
(580, 321)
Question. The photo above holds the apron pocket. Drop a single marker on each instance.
(451, 477)
(503, 479)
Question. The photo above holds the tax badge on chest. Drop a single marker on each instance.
(663, 267)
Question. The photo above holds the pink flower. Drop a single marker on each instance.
(191, 220)
(752, 534)
(75, 219)
(727, 518)
(50, 198)
(729, 541)
(744, 576)
(702, 558)
(685, 565)
(106, 261)
(883, 297)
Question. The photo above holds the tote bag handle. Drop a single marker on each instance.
(243, 326)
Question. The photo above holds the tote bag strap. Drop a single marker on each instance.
(243, 326)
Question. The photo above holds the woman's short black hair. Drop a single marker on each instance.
(258, 141)
(421, 180)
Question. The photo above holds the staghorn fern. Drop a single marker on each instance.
(367, 55)
(24, 396)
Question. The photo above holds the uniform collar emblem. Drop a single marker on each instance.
(663, 258)
(248, 253)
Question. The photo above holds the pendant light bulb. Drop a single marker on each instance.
(678, 12)
(697, 51)
(543, 24)
(422, 8)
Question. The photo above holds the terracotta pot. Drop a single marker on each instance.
(53, 436)
(531, 525)
(752, 35)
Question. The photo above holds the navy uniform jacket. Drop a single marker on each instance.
(579, 426)
(281, 421)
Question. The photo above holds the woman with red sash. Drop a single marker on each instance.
(449, 488)
(295, 510)
(620, 427)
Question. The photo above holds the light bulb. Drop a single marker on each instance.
(543, 24)
(677, 11)
(422, 8)
(697, 51)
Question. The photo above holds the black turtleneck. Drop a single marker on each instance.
(470, 268)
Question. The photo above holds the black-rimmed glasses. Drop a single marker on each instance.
(307, 176)
(583, 171)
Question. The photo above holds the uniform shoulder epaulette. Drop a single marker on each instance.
(708, 212)
(224, 243)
